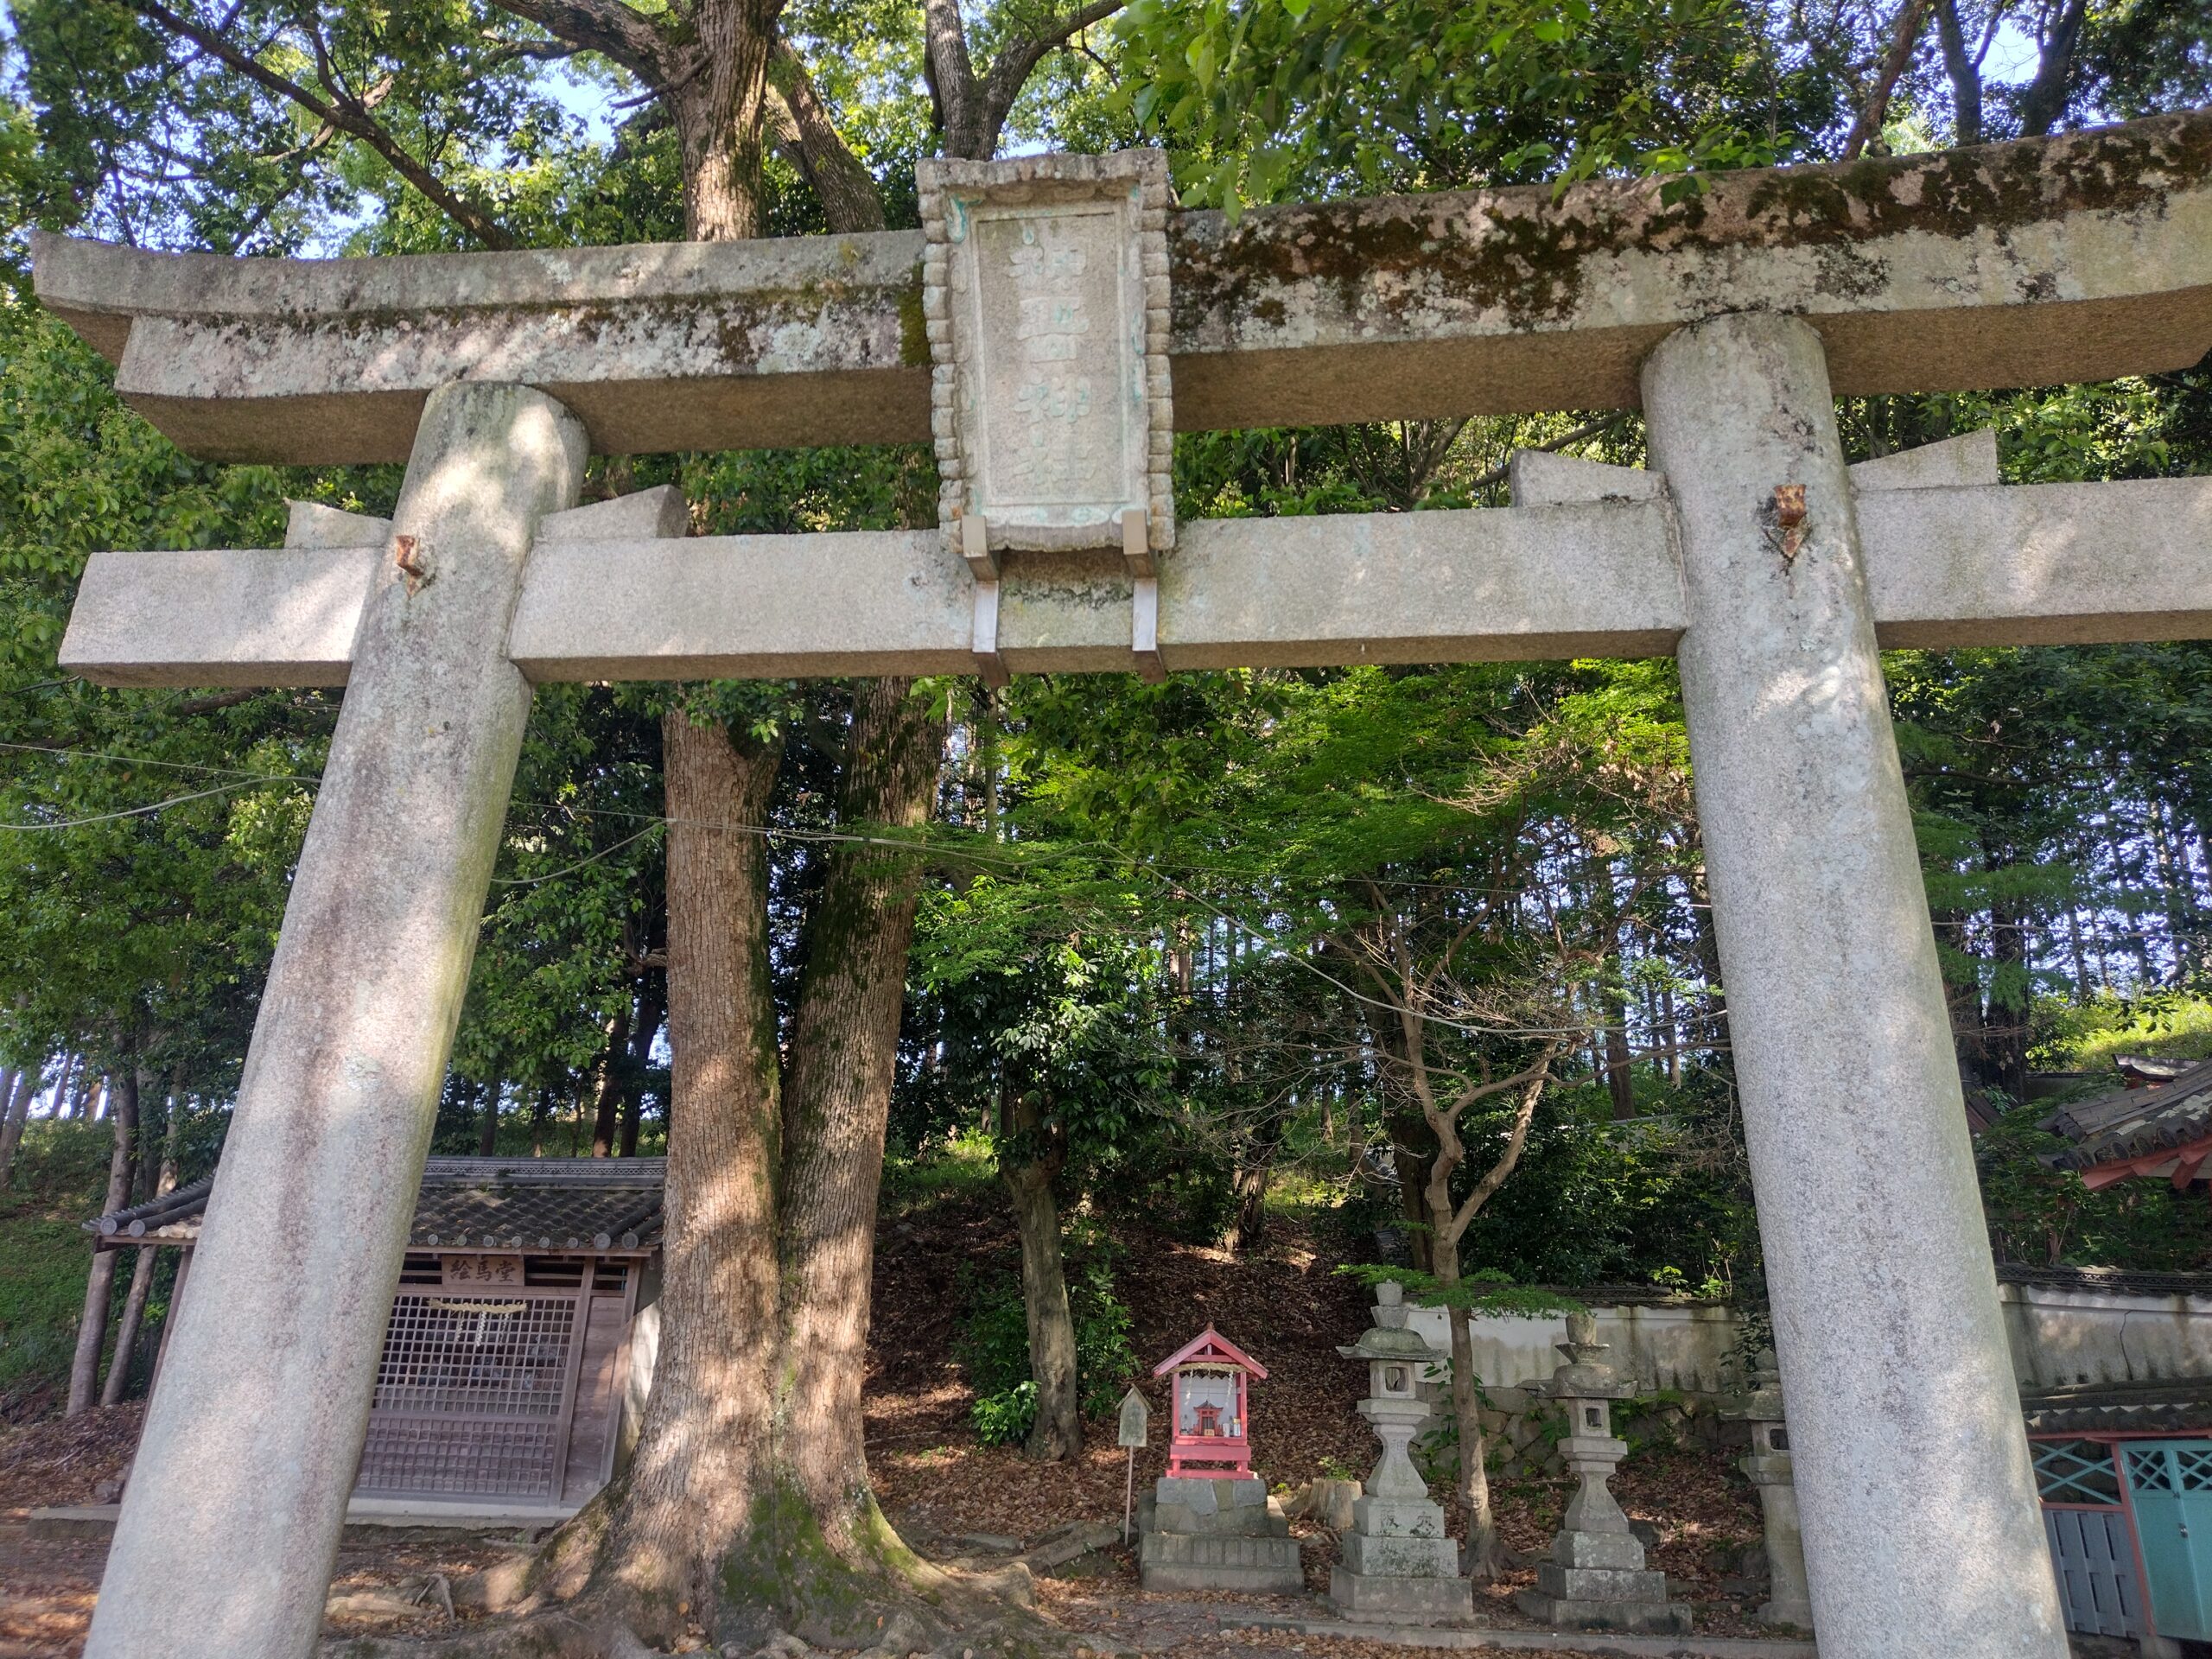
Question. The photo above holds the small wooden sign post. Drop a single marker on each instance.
(1136, 1421)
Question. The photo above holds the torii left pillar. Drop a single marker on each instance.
(251, 1445)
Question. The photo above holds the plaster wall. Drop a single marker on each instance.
(2061, 1338)
(2058, 1338)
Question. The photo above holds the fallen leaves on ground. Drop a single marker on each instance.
(59, 1460)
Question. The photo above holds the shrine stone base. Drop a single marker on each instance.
(1398, 1566)
(1186, 1561)
(1389, 1600)
(1602, 1598)
(1216, 1535)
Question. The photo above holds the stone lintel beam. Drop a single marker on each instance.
(2074, 258)
(288, 616)
(1381, 588)
(252, 616)
(1948, 565)
(2039, 564)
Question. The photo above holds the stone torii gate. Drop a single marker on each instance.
(1033, 329)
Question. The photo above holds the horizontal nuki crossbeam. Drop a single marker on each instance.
(2076, 258)
(1583, 566)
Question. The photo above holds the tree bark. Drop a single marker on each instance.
(843, 1053)
(1963, 69)
(1902, 41)
(1485, 1549)
(653, 1007)
(100, 1286)
(142, 1270)
(695, 1481)
(1256, 1162)
(2045, 101)
(1032, 1151)
(1056, 1434)
(717, 112)
(17, 1114)
(607, 1106)
(1620, 1061)
(487, 1132)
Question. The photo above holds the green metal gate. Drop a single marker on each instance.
(2170, 1482)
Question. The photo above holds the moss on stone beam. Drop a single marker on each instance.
(2073, 258)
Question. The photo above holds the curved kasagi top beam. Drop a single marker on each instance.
(2076, 258)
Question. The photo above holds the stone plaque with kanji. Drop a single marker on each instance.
(1044, 294)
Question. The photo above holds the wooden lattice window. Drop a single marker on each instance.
(497, 1356)
(473, 1395)
(2076, 1472)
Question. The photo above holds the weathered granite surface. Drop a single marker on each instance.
(1904, 1411)
(1946, 565)
(1215, 1535)
(252, 1464)
(2074, 258)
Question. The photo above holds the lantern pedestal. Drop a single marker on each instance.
(1398, 1566)
(1790, 1602)
(1215, 1535)
(1595, 1577)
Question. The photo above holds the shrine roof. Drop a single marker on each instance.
(2073, 258)
(2159, 1406)
(1209, 1346)
(2128, 1123)
(2117, 1283)
(605, 1205)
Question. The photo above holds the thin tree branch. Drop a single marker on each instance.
(1009, 71)
(343, 113)
(1516, 1139)
(1868, 126)
(1588, 429)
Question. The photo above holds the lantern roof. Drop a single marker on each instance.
(1210, 1347)
(1391, 1341)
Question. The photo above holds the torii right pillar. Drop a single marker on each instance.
(1922, 1531)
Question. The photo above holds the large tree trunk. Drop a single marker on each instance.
(717, 113)
(749, 1490)
(91, 1328)
(844, 1050)
(1256, 1162)
(1056, 1434)
(1411, 1160)
(697, 1482)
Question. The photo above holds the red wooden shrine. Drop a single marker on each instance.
(1209, 1424)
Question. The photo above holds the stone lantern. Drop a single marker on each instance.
(1595, 1577)
(1398, 1566)
(1788, 1600)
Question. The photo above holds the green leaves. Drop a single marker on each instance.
(1484, 1292)
(1262, 99)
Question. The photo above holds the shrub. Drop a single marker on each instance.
(1005, 1419)
(992, 1345)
